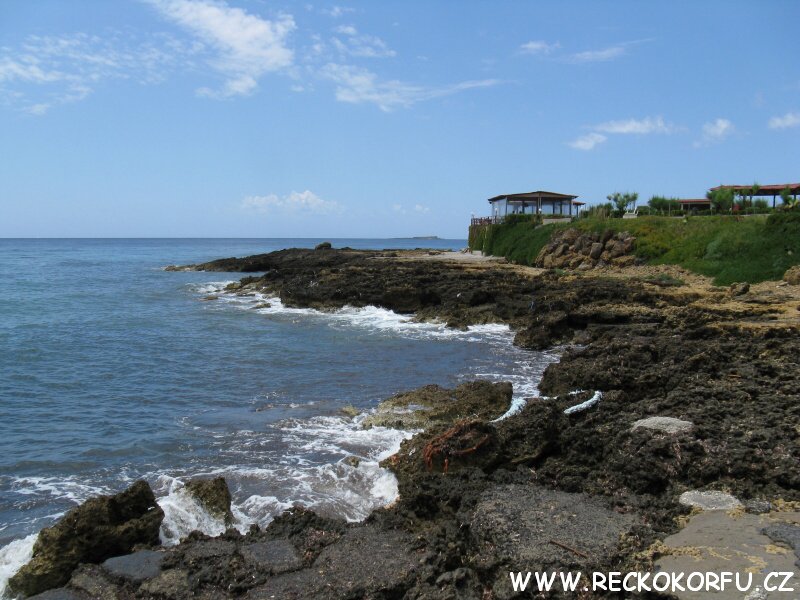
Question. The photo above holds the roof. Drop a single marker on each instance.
(763, 190)
(694, 201)
(524, 196)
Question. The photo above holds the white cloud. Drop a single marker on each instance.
(597, 55)
(337, 11)
(295, 202)
(417, 208)
(715, 131)
(356, 85)
(538, 47)
(46, 71)
(640, 126)
(790, 119)
(421, 209)
(588, 141)
(362, 45)
(246, 46)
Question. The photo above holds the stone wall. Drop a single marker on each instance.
(573, 249)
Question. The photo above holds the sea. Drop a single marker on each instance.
(113, 369)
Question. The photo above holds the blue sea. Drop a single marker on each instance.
(112, 369)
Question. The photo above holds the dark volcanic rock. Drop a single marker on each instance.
(100, 528)
(135, 567)
(214, 496)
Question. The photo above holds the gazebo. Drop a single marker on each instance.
(773, 190)
(539, 202)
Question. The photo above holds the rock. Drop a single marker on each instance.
(59, 594)
(758, 507)
(262, 305)
(323, 246)
(617, 250)
(214, 496)
(596, 250)
(432, 404)
(585, 265)
(171, 584)
(664, 424)
(353, 461)
(792, 275)
(100, 528)
(209, 298)
(208, 548)
(274, 556)
(709, 500)
(365, 563)
(785, 533)
(606, 235)
(562, 248)
(136, 567)
(95, 583)
(738, 289)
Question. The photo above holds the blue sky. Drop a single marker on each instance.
(378, 119)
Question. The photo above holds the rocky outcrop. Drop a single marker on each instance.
(573, 249)
(433, 404)
(214, 496)
(100, 528)
(792, 275)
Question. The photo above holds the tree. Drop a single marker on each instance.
(622, 201)
(753, 191)
(664, 204)
(721, 199)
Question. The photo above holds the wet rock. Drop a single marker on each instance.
(663, 424)
(274, 556)
(353, 461)
(709, 500)
(208, 548)
(792, 275)
(136, 567)
(214, 496)
(785, 533)
(758, 507)
(209, 298)
(100, 528)
(434, 404)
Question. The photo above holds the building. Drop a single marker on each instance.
(773, 190)
(695, 204)
(547, 204)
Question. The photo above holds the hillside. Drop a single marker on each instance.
(751, 249)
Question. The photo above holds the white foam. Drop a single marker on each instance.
(12, 558)
(58, 488)
(584, 405)
(183, 514)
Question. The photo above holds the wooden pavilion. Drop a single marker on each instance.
(773, 190)
(539, 202)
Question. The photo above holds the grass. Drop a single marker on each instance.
(751, 249)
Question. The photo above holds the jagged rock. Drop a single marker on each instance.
(59, 594)
(95, 583)
(323, 246)
(214, 496)
(663, 424)
(596, 250)
(792, 275)
(709, 500)
(100, 528)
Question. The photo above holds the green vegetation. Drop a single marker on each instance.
(727, 248)
(622, 201)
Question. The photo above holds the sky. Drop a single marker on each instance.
(262, 118)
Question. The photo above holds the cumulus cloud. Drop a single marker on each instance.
(715, 131)
(306, 202)
(588, 141)
(337, 11)
(790, 119)
(538, 47)
(246, 46)
(636, 126)
(356, 85)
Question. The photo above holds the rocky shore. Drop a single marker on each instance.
(668, 388)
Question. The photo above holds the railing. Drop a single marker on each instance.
(487, 220)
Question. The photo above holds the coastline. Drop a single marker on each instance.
(651, 349)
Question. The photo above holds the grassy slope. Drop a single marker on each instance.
(753, 249)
